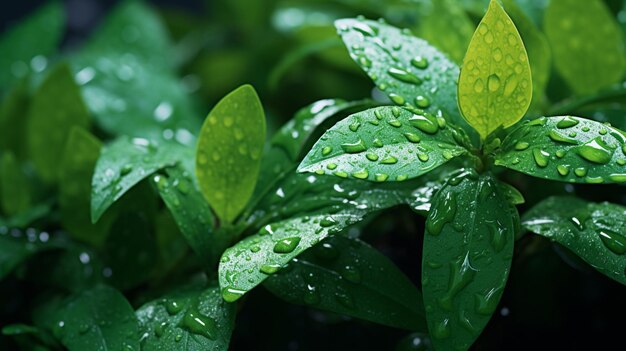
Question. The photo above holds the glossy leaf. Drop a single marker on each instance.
(400, 63)
(126, 162)
(76, 171)
(448, 28)
(191, 213)
(349, 277)
(228, 152)
(27, 46)
(569, 149)
(384, 143)
(314, 208)
(15, 191)
(99, 319)
(495, 85)
(594, 231)
(468, 247)
(189, 320)
(56, 107)
(595, 40)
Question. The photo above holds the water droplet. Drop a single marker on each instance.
(287, 245)
(613, 241)
(426, 123)
(159, 330)
(351, 274)
(326, 150)
(486, 304)
(377, 143)
(442, 330)
(422, 101)
(331, 166)
(498, 236)
(461, 274)
(389, 160)
(521, 145)
(381, 177)
(401, 177)
(354, 148)
(541, 157)
(362, 174)
(395, 123)
(556, 136)
(580, 171)
(174, 306)
(270, 268)
(397, 99)
(232, 294)
(328, 222)
(199, 324)
(404, 76)
(566, 122)
(365, 29)
(423, 157)
(563, 170)
(412, 137)
(618, 177)
(341, 174)
(127, 168)
(441, 214)
(371, 156)
(596, 151)
(419, 62)
(354, 126)
(594, 180)
(493, 82)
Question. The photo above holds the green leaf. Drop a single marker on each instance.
(593, 231)
(399, 64)
(228, 153)
(568, 149)
(314, 208)
(76, 171)
(17, 246)
(27, 46)
(15, 191)
(191, 213)
(539, 53)
(189, 320)
(495, 82)
(126, 162)
(347, 276)
(12, 121)
(595, 40)
(468, 247)
(56, 107)
(385, 143)
(448, 28)
(99, 319)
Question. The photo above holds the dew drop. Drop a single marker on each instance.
(404, 76)
(354, 148)
(596, 151)
(287, 245)
(613, 241)
(426, 123)
(541, 157)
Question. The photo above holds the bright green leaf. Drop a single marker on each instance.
(15, 191)
(56, 107)
(400, 63)
(349, 277)
(495, 85)
(126, 162)
(229, 149)
(468, 247)
(568, 149)
(26, 47)
(594, 231)
(448, 28)
(385, 143)
(189, 320)
(587, 44)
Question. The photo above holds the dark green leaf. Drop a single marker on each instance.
(99, 319)
(349, 277)
(12, 121)
(468, 247)
(595, 40)
(56, 107)
(26, 47)
(400, 65)
(17, 246)
(229, 151)
(15, 191)
(191, 320)
(126, 162)
(569, 149)
(594, 231)
(384, 143)
(448, 27)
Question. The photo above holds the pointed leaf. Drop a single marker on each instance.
(594, 231)
(495, 85)
(228, 152)
(15, 191)
(595, 40)
(568, 149)
(400, 63)
(56, 107)
(349, 277)
(126, 162)
(468, 247)
(27, 46)
(189, 320)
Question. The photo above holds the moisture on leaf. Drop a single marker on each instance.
(495, 85)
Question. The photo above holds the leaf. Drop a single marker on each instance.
(27, 46)
(448, 28)
(313, 209)
(349, 277)
(126, 162)
(228, 153)
(191, 213)
(99, 319)
(56, 107)
(76, 171)
(15, 190)
(495, 82)
(568, 149)
(384, 143)
(539, 53)
(399, 64)
(192, 320)
(468, 247)
(595, 40)
(17, 246)
(593, 231)
(12, 121)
